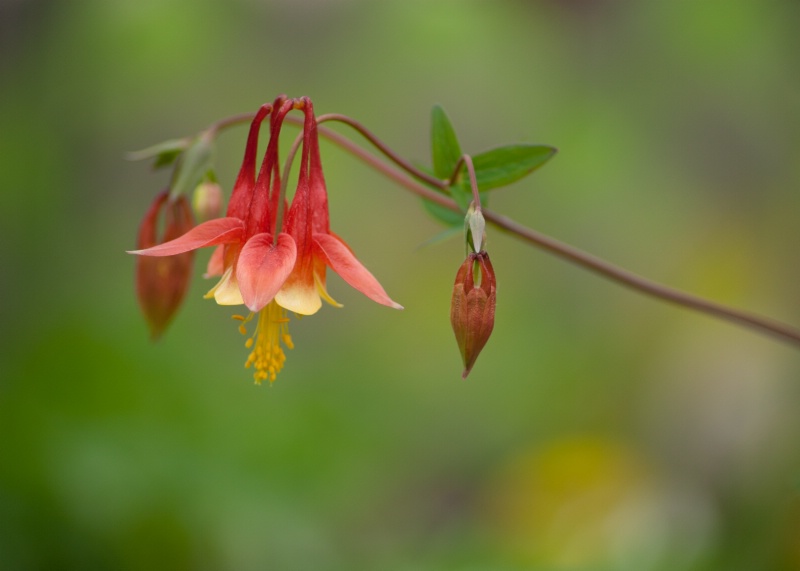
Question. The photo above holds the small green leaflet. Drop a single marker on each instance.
(444, 215)
(192, 166)
(504, 165)
(165, 153)
(494, 168)
(444, 144)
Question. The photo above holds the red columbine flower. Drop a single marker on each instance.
(269, 274)
(253, 266)
(472, 307)
(308, 222)
(161, 283)
(249, 219)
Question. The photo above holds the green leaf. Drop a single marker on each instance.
(165, 159)
(444, 215)
(165, 153)
(442, 236)
(462, 194)
(444, 144)
(193, 166)
(504, 165)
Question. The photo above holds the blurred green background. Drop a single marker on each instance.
(598, 430)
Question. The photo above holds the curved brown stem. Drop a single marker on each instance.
(231, 121)
(382, 147)
(644, 285)
(587, 261)
(466, 161)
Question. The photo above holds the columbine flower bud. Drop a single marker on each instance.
(162, 282)
(207, 201)
(472, 307)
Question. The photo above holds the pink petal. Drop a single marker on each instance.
(263, 267)
(211, 233)
(342, 261)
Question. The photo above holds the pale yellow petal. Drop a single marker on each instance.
(226, 292)
(323, 292)
(299, 299)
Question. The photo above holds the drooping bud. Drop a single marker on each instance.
(472, 307)
(162, 282)
(207, 201)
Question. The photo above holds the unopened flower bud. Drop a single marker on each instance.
(472, 307)
(207, 201)
(162, 282)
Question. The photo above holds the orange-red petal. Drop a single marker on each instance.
(211, 233)
(340, 259)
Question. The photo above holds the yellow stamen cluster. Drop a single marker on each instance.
(267, 356)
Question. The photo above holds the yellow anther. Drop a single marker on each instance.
(267, 356)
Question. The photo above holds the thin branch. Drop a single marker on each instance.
(466, 161)
(587, 261)
(382, 147)
(473, 181)
(214, 128)
(644, 285)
